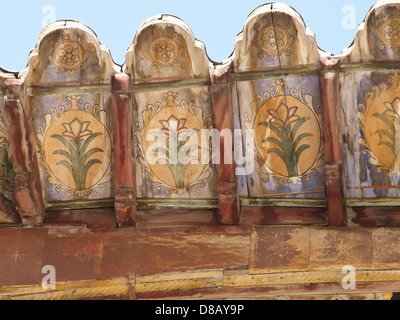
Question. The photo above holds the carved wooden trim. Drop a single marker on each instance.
(27, 186)
(333, 152)
(125, 184)
(222, 110)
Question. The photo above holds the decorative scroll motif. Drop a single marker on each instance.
(388, 31)
(169, 145)
(380, 125)
(6, 163)
(273, 40)
(164, 51)
(69, 55)
(74, 145)
(287, 134)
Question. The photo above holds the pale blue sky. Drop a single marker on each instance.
(216, 23)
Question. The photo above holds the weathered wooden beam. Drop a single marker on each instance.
(27, 186)
(125, 193)
(211, 285)
(8, 212)
(222, 110)
(333, 152)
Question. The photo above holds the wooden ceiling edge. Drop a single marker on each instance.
(213, 284)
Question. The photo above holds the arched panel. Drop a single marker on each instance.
(369, 96)
(170, 75)
(68, 84)
(280, 115)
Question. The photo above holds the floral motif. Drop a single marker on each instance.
(273, 40)
(284, 127)
(388, 31)
(164, 51)
(380, 126)
(69, 55)
(284, 115)
(173, 127)
(393, 109)
(392, 31)
(76, 130)
(178, 154)
(289, 144)
(79, 163)
(74, 145)
(172, 160)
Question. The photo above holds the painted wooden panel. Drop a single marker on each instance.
(287, 137)
(282, 115)
(6, 161)
(170, 73)
(166, 49)
(68, 51)
(370, 131)
(377, 37)
(191, 177)
(75, 146)
(275, 37)
(370, 110)
(69, 90)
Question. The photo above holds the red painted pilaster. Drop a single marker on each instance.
(333, 152)
(221, 101)
(27, 185)
(125, 193)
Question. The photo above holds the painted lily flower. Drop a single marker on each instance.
(76, 130)
(284, 116)
(173, 127)
(393, 109)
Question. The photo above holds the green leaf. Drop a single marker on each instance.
(389, 145)
(64, 153)
(89, 141)
(79, 144)
(275, 141)
(387, 134)
(300, 150)
(299, 138)
(90, 164)
(184, 154)
(90, 153)
(387, 121)
(65, 142)
(278, 152)
(189, 148)
(297, 126)
(273, 128)
(162, 151)
(189, 160)
(182, 140)
(160, 136)
(66, 164)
